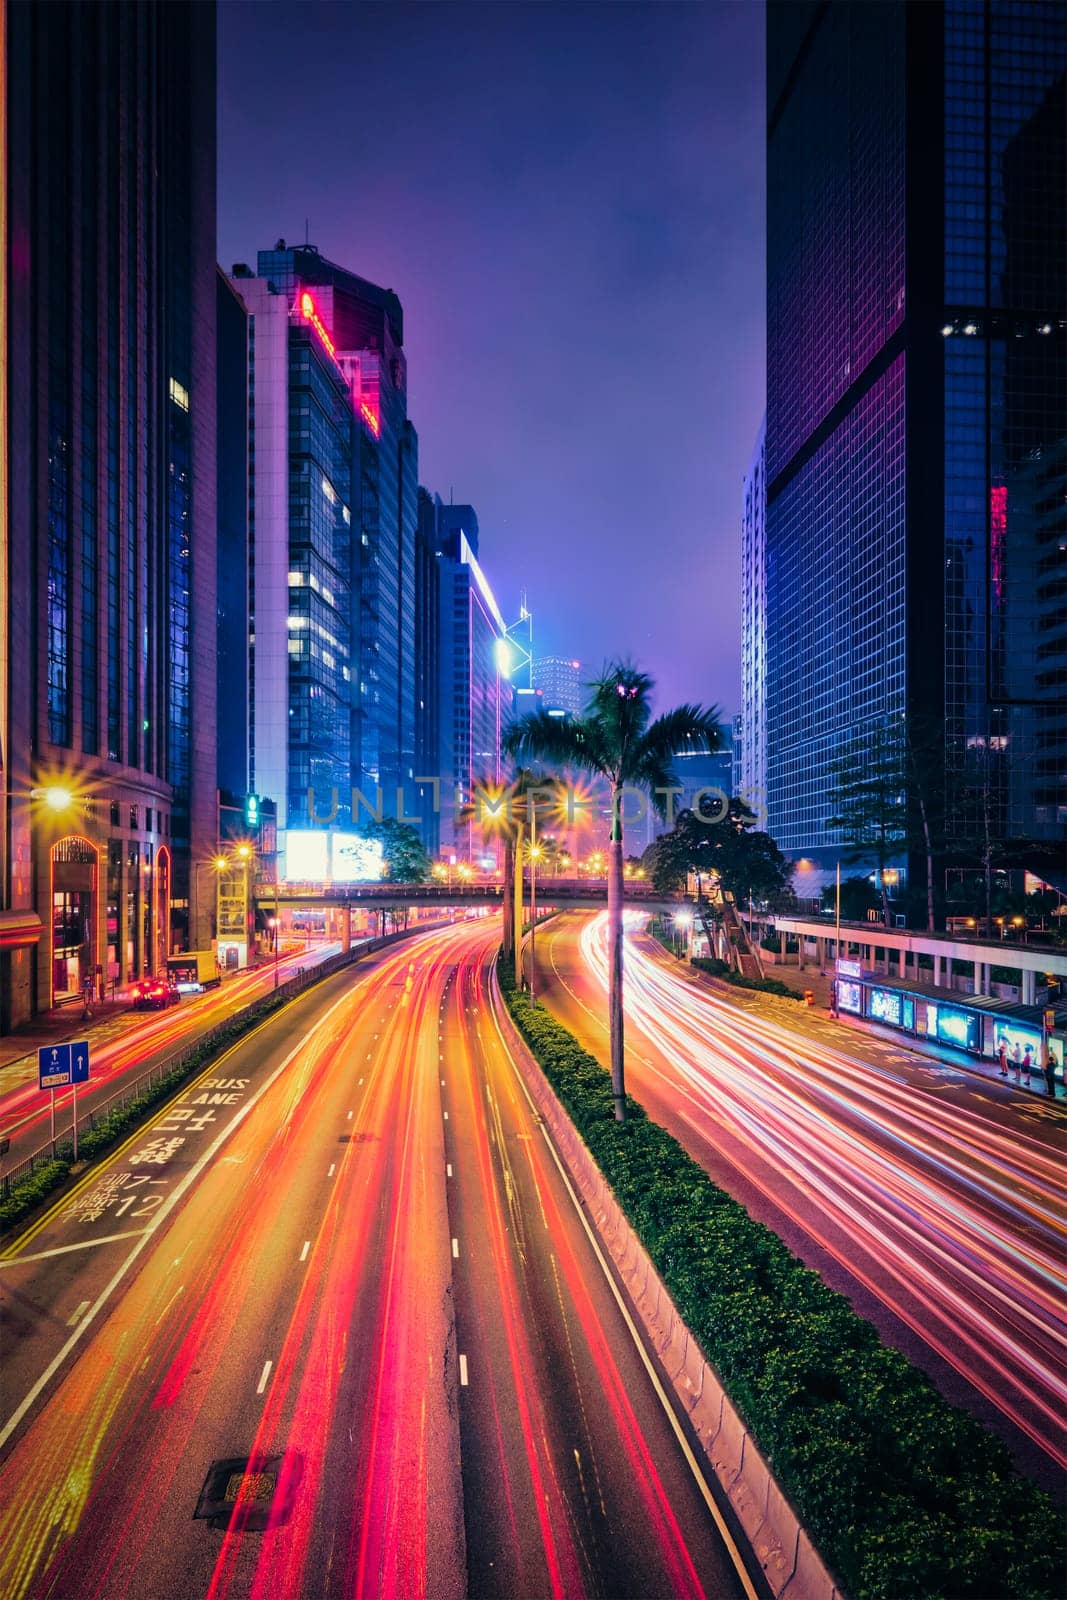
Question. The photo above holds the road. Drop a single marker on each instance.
(937, 1204)
(342, 1279)
(126, 1045)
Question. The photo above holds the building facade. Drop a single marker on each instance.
(234, 570)
(107, 705)
(472, 687)
(752, 749)
(561, 683)
(916, 418)
(364, 328)
(427, 675)
(302, 451)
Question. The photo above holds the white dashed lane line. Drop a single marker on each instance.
(455, 1249)
(264, 1375)
(304, 1252)
(77, 1313)
(463, 1370)
(333, 1169)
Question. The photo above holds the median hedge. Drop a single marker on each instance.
(907, 1497)
(719, 969)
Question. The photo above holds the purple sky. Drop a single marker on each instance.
(569, 201)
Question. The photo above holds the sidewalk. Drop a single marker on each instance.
(60, 1024)
(854, 1030)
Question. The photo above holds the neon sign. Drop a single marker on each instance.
(370, 417)
(307, 307)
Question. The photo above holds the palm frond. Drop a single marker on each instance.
(556, 741)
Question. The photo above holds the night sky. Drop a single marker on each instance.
(569, 201)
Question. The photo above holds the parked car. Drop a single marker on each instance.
(154, 994)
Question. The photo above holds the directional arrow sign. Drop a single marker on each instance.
(79, 1061)
(53, 1065)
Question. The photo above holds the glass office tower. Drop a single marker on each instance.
(915, 434)
(108, 545)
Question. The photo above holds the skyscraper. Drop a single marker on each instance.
(365, 329)
(753, 752)
(559, 679)
(427, 674)
(915, 435)
(107, 705)
(471, 684)
(302, 431)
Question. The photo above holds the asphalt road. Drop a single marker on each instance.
(332, 1325)
(124, 1047)
(937, 1203)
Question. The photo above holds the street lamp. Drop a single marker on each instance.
(272, 924)
(217, 863)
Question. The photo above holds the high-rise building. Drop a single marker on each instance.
(915, 435)
(560, 681)
(753, 752)
(302, 483)
(363, 327)
(107, 702)
(234, 571)
(471, 682)
(427, 675)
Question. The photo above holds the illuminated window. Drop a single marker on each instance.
(179, 394)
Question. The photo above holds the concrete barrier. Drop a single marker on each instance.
(793, 1567)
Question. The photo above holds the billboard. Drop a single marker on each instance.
(355, 859)
(306, 855)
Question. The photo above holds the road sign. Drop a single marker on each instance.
(53, 1066)
(79, 1061)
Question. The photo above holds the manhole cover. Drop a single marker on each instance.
(245, 1491)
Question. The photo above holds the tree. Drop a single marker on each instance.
(858, 896)
(747, 863)
(868, 781)
(617, 740)
(403, 851)
(504, 811)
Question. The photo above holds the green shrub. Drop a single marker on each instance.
(907, 1497)
(720, 969)
(32, 1190)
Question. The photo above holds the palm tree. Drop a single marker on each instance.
(617, 740)
(502, 810)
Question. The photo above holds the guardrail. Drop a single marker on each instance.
(62, 1149)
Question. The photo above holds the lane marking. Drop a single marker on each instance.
(349, 1117)
(333, 1169)
(64, 1249)
(676, 1427)
(455, 1249)
(177, 1194)
(264, 1375)
(76, 1313)
(446, 1116)
(448, 1169)
(463, 1371)
(304, 1252)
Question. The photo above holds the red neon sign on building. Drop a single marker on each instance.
(307, 307)
(998, 530)
(370, 417)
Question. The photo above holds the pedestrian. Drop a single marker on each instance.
(1050, 1073)
(1028, 1061)
(1002, 1057)
(1016, 1060)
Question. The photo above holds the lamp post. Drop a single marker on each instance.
(535, 856)
(217, 863)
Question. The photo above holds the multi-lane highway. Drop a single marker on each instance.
(935, 1201)
(332, 1325)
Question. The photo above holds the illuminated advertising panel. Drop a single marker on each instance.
(884, 1005)
(355, 859)
(306, 855)
(1013, 1035)
(849, 996)
(848, 969)
(957, 1027)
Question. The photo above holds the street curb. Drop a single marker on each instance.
(792, 1566)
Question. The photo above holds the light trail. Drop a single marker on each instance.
(955, 1223)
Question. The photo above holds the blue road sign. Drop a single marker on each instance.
(53, 1066)
(79, 1061)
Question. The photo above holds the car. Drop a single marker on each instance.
(154, 994)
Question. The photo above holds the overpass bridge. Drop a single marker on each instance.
(572, 893)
